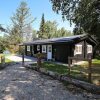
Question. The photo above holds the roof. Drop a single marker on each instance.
(56, 40)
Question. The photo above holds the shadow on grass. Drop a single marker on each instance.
(79, 72)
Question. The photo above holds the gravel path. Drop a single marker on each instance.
(17, 83)
(18, 58)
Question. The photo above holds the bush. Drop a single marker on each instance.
(97, 57)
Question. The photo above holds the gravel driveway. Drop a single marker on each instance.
(17, 83)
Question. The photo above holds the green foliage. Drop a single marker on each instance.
(48, 29)
(41, 32)
(3, 44)
(34, 34)
(84, 13)
(21, 20)
(13, 49)
(63, 33)
(65, 7)
(87, 16)
(39, 55)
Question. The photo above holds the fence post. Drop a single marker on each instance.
(69, 67)
(89, 71)
(2, 60)
(22, 59)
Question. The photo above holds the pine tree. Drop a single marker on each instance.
(20, 20)
(41, 32)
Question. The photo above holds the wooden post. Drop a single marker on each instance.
(38, 63)
(2, 60)
(89, 71)
(22, 59)
(69, 67)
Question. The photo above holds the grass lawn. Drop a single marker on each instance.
(6, 60)
(95, 70)
(61, 69)
(78, 71)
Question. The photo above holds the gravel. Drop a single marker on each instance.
(17, 83)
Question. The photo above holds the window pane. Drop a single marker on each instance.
(44, 48)
(28, 48)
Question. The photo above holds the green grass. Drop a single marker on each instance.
(61, 69)
(95, 71)
(96, 61)
(6, 60)
(78, 71)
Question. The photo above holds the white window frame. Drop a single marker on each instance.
(79, 51)
(28, 48)
(43, 48)
(38, 47)
(89, 48)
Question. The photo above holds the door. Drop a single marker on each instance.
(49, 52)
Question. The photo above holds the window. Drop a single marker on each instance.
(78, 49)
(50, 49)
(44, 48)
(38, 47)
(89, 48)
(28, 48)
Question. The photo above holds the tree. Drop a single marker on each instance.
(84, 13)
(28, 34)
(3, 43)
(2, 29)
(41, 32)
(63, 32)
(34, 34)
(21, 19)
(14, 36)
(65, 7)
(87, 16)
(50, 29)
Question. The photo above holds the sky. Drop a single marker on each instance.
(37, 8)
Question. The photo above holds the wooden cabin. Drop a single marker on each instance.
(59, 49)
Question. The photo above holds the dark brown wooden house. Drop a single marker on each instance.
(59, 49)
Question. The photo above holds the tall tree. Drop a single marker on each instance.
(34, 34)
(21, 19)
(63, 32)
(50, 29)
(65, 7)
(87, 16)
(41, 32)
(84, 13)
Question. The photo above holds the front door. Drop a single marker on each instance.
(49, 52)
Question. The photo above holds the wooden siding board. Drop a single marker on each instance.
(61, 52)
(89, 55)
